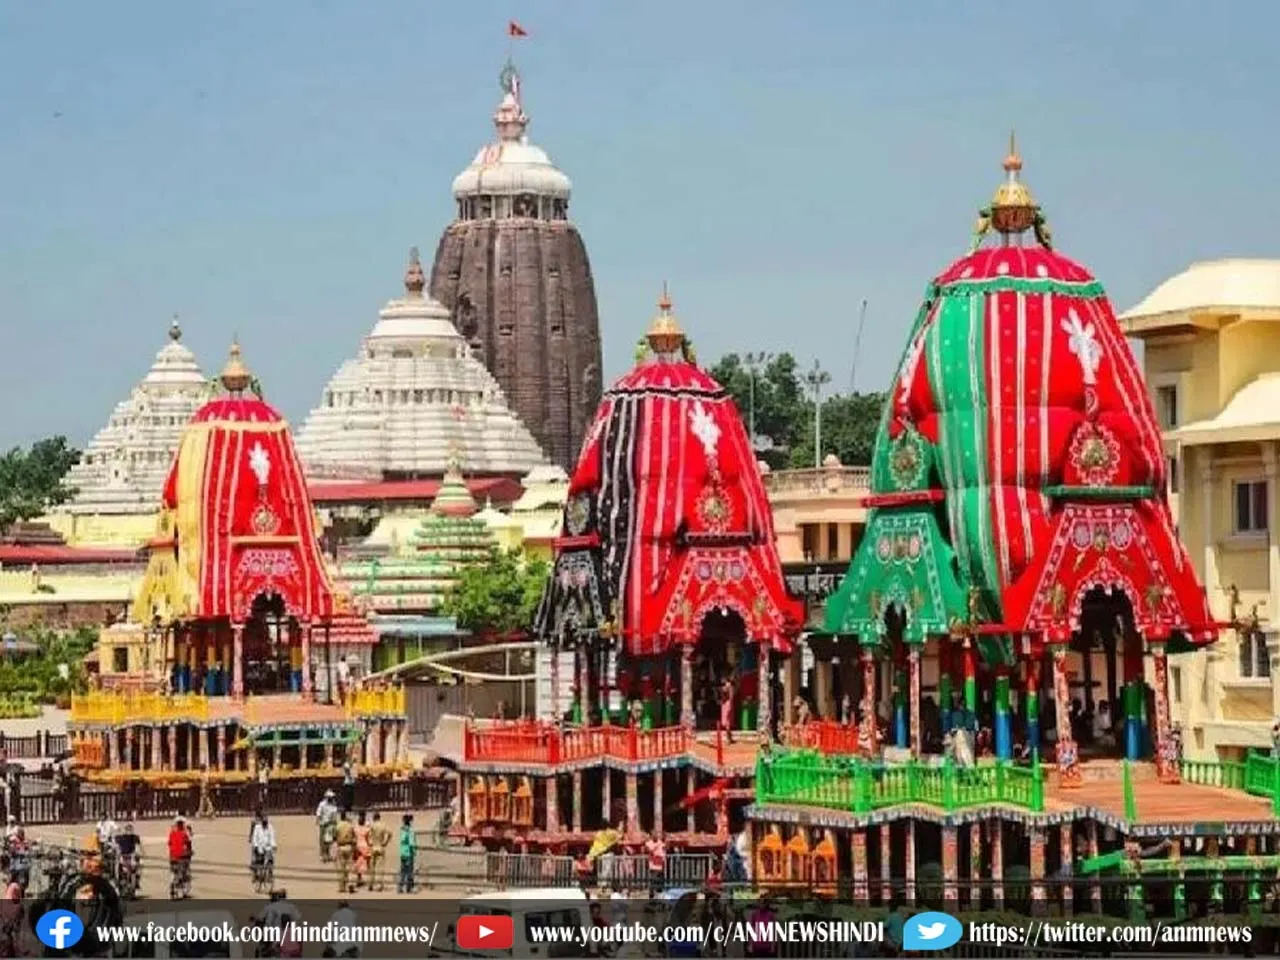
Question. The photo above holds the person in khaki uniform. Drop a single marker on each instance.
(344, 842)
(379, 840)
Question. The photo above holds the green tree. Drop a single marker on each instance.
(780, 402)
(498, 596)
(784, 414)
(31, 481)
(849, 424)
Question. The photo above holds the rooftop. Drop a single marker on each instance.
(1232, 285)
(1253, 414)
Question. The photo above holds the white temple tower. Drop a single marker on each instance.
(123, 469)
(413, 399)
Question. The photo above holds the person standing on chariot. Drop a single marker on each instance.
(726, 709)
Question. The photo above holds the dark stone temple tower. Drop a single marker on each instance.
(513, 271)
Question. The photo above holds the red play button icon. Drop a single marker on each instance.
(493, 932)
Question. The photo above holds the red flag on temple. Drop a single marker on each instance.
(515, 30)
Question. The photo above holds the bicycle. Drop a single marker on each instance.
(264, 872)
(179, 879)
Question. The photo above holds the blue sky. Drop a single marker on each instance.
(262, 167)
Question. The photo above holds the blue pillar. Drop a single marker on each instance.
(1004, 718)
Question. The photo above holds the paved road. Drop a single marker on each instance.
(220, 868)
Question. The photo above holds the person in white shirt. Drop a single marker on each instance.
(262, 841)
(342, 920)
(107, 830)
(11, 828)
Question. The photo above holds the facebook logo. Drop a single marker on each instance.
(59, 929)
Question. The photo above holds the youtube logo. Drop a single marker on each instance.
(485, 933)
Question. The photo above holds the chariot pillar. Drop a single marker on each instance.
(1037, 871)
(861, 892)
(917, 733)
(1068, 768)
(659, 803)
(1166, 750)
(995, 830)
(886, 863)
(237, 660)
(950, 869)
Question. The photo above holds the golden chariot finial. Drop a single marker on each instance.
(1013, 211)
(236, 377)
(665, 335)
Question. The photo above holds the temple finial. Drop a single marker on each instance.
(236, 377)
(175, 329)
(1013, 210)
(665, 336)
(1013, 161)
(510, 118)
(415, 281)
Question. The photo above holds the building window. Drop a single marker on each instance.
(120, 659)
(1175, 677)
(1255, 662)
(833, 542)
(1167, 406)
(1173, 474)
(1251, 506)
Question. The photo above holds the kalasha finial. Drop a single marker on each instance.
(1013, 161)
(175, 330)
(665, 335)
(1013, 211)
(415, 281)
(236, 377)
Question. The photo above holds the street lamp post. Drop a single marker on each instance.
(817, 378)
(754, 362)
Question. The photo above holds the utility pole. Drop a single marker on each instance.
(754, 362)
(817, 378)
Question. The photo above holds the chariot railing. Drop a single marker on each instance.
(1258, 775)
(531, 741)
(810, 778)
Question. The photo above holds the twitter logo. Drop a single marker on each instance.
(931, 931)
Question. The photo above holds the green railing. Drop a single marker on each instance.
(809, 778)
(1259, 775)
(1227, 774)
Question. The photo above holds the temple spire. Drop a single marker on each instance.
(415, 281)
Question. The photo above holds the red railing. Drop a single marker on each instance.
(529, 741)
(825, 736)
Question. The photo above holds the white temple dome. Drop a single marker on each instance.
(124, 467)
(513, 165)
(414, 400)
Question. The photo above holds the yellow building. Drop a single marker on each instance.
(818, 513)
(1211, 338)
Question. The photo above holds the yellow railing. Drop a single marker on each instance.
(364, 703)
(115, 708)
